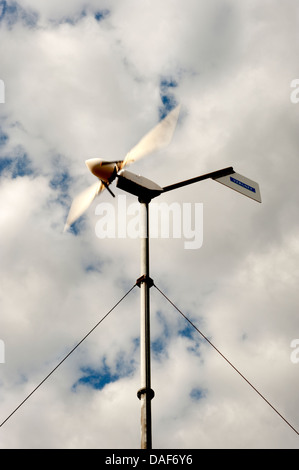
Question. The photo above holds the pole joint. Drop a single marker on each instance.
(148, 391)
(144, 278)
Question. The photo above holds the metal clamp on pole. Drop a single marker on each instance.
(148, 391)
(145, 278)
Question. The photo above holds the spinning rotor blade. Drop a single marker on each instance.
(82, 202)
(158, 138)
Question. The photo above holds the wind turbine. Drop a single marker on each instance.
(145, 189)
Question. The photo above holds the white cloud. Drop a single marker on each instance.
(76, 88)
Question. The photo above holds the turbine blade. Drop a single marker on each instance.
(156, 139)
(81, 202)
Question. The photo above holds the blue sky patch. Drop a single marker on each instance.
(17, 166)
(12, 13)
(96, 378)
(60, 181)
(94, 266)
(101, 15)
(99, 378)
(158, 346)
(187, 330)
(197, 393)
(168, 99)
(3, 138)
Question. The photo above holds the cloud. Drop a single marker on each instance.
(85, 79)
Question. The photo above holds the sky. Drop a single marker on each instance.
(85, 79)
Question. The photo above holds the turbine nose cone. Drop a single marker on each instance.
(93, 164)
(102, 169)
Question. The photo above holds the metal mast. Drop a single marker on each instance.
(145, 393)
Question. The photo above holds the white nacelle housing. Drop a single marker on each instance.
(138, 185)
